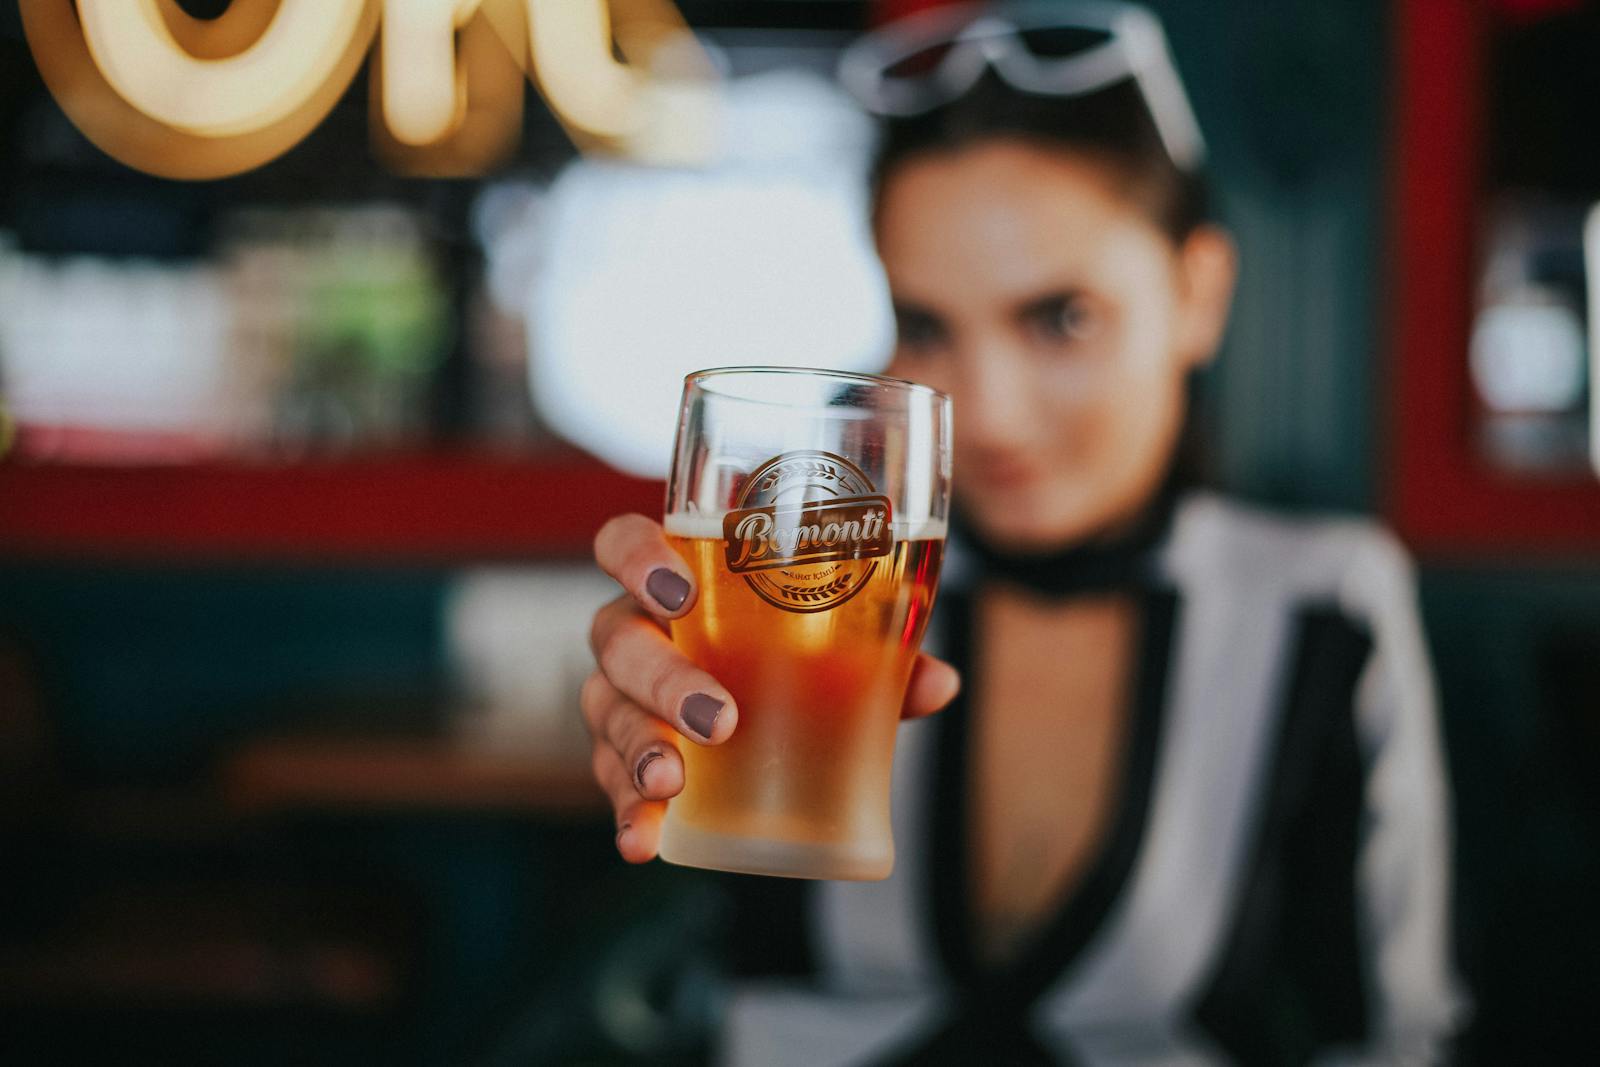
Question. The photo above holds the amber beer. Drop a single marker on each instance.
(802, 786)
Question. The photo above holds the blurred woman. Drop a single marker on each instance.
(1189, 805)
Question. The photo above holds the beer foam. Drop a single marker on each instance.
(920, 530)
(702, 525)
(697, 525)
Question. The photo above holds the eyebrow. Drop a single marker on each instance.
(1049, 298)
(1020, 309)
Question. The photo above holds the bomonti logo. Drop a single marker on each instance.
(808, 532)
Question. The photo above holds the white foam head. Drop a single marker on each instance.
(701, 525)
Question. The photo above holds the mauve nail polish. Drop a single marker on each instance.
(669, 588)
(700, 713)
(639, 768)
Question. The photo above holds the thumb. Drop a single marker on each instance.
(934, 683)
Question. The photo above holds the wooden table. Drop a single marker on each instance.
(415, 774)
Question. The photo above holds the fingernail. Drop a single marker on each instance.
(639, 768)
(669, 588)
(622, 832)
(700, 713)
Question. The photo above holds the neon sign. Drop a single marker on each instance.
(182, 97)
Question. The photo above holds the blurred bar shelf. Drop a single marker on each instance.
(1445, 500)
(441, 506)
(275, 775)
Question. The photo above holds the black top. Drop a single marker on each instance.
(993, 1000)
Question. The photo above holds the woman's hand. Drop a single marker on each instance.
(646, 695)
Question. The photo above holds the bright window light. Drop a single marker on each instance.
(646, 274)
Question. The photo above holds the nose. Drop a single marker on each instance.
(993, 411)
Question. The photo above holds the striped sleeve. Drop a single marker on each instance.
(1404, 865)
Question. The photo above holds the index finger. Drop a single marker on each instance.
(634, 551)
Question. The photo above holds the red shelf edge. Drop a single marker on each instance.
(435, 507)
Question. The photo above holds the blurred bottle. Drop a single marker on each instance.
(114, 359)
(342, 321)
(1529, 353)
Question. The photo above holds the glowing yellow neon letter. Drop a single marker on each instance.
(189, 98)
(280, 72)
(422, 90)
(580, 77)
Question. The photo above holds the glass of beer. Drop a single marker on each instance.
(810, 506)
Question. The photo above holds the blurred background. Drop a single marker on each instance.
(299, 467)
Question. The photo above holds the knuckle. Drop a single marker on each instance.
(643, 555)
(603, 628)
(628, 737)
(664, 683)
(614, 658)
(614, 730)
(639, 743)
(592, 701)
(593, 693)
(614, 538)
(606, 536)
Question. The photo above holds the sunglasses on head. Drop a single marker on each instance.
(919, 63)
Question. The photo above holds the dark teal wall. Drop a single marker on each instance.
(1522, 724)
(148, 670)
(1292, 99)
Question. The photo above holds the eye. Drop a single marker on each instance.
(919, 331)
(1058, 319)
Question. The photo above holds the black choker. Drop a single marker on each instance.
(1098, 565)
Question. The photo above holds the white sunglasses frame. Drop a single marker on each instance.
(985, 36)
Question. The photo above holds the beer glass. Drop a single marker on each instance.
(810, 506)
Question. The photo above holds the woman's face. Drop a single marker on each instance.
(1061, 321)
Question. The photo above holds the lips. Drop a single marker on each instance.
(1004, 474)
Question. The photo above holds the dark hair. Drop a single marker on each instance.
(1112, 125)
